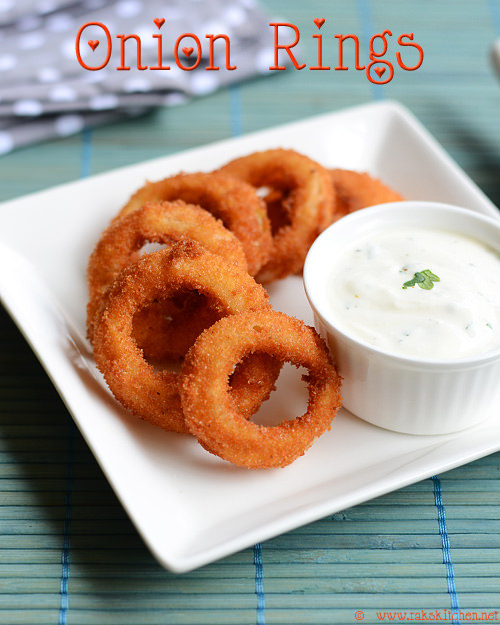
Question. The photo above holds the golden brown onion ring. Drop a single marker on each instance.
(307, 205)
(168, 330)
(213, 417)
(235, 204)
(357, 190)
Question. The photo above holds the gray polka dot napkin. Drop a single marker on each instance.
(45, 92)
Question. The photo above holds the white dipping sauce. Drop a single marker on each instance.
(458, 316)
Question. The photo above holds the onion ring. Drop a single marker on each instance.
(157, 276)
(213, 417)
(234, 203)
(357, 190)
(308, 202)
(168, 330)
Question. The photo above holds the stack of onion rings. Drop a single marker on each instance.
(196, 301)
(158, 276)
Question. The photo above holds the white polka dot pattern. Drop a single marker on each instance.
(204, 83)
(68, 124)
(62, 93)
(48, 74)
(138, 84)
(61, 22)
(8, 61)
(68, 49)
(31, 41)
(264, 60)
(46, 6)
(6, 5)
(128, 8)
(174, 99)
(6, 142)
(44, 92)
(27, 108)
(236, 15)
(103, 102)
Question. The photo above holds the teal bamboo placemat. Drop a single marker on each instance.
(68, 553)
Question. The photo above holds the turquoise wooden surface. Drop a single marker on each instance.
(68, 553)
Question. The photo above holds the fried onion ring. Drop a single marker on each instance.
(213, 417)
(357, 190)
(235, 204)
(168, 330)
(308, 202)
(153, 395)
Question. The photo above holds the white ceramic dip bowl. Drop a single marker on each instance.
(399, 392)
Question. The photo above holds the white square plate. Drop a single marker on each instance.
(190, 507)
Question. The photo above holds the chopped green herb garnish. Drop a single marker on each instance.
(425, 280)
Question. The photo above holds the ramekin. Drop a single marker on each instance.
(405, 394)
